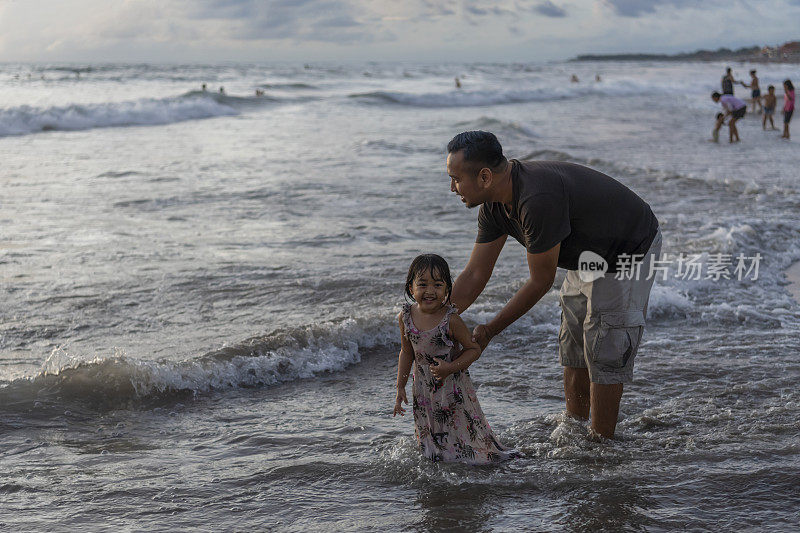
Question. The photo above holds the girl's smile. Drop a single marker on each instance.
(429, 293)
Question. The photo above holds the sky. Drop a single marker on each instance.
(381, 30)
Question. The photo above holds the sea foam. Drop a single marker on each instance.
(108, 382)
(25, 119)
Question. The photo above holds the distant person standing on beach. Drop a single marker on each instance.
(727, 82)
(788, 106)
(770, 100)
(564, 215)
(755, 90)
(734, 108)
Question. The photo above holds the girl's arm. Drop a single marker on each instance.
(471, 350)
(404, 362)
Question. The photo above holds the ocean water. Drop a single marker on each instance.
(199, 297)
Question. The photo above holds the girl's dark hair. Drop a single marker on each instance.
(438, 268)
(788, 84)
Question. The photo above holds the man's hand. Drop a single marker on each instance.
(399, 400)
(442, 369)
(482, 335)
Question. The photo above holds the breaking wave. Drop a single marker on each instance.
(118, 381)
(193, 105)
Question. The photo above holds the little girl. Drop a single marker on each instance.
(448, 421)
(788, 106)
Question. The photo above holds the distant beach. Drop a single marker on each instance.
(788, 52)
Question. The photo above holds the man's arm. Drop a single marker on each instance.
(542, 269)
(471, 282)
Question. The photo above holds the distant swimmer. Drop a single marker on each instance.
(597, 78)
(734, 108)
(221, 89)
(574, 79)
(259, 92)
(204, 87)
(458, 83)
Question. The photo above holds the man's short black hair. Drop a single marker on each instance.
(480, 148)
(715, 94)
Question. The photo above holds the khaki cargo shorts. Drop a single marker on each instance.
(602, 321)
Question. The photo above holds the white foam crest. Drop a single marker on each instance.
(727, 239)
(304, 353)
(492, 96)
(25, 119)
(669, 302)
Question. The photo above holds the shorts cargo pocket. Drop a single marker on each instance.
(618, 338)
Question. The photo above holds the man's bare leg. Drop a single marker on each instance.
(576, 392)
(605, 408)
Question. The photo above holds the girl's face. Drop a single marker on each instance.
(429, 293)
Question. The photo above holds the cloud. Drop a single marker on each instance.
(334, 21)
(636, 8)
(549, 9)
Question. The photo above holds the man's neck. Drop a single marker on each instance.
(504, 188)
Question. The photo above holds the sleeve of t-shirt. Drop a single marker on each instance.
(545, 221)
(488, 228)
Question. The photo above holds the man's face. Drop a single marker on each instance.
(463, 180)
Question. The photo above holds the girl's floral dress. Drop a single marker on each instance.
(448, 421)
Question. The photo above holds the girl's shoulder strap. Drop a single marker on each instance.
(405, 315)
(444, 325)
(451, 310)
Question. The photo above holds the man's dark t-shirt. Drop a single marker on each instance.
(579, 207)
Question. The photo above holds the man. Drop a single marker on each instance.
(734, 108)
(559, 211)
(755, 90)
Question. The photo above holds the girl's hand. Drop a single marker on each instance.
(442, 369)
(399, 400)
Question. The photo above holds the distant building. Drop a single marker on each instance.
(789, 51)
